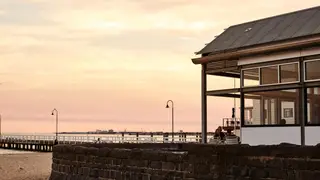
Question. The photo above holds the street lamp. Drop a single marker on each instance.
(172, 117)
(55, 112)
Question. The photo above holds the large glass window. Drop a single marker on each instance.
(250, 77)
(273, 107)
(313, 97)
(289, 73)
(269, 75)
(312, 70)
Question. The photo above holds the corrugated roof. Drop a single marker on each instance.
(277, 28)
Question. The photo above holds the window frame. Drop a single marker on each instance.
(279, 74)
(242, 77)
(305, 70)
(291, 112)
(307, 115)
(296, 124)
(260, 75)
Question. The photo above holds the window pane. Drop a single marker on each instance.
(279, 107)
(287, 114)
(269, 75)
(289, 73)
(270, 113)
(250, 77)
(313, 105)
(252, 110)
(312, 70)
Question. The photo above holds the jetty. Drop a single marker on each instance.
(45, 143)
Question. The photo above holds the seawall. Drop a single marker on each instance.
(184, 161)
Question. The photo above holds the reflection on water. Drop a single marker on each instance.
(5, 151)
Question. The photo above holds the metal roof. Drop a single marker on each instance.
(269, 30)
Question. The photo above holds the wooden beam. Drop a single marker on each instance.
(271, 87)
(227, 95)
(214, 70)
(225, 74)
(222, 91)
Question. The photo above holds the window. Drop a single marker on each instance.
(253, 103)
(250, 77)
(273, 107)
(273, 74)
(313, 99)
(289, 73)
(248, 114)
(312, 70)
(269, 75)
(288, 112)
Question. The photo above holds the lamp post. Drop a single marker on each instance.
(172, 117)
(55, 112)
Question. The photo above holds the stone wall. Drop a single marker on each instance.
(184, 161)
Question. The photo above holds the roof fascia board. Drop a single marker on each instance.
(259, 50)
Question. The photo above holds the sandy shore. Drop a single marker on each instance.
(30, 166)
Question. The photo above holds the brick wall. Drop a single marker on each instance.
(184, 161)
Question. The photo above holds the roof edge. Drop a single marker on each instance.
(201, 51)
(257, 50)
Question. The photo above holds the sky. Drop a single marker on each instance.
(113, 64)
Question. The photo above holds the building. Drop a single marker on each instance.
(277, 60)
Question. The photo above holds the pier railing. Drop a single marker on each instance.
(95, 139)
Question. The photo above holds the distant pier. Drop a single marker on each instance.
(45, 143)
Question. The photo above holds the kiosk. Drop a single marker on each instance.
(277, 60)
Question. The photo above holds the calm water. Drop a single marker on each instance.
(5, 151)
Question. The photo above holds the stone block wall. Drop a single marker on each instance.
(184, 162)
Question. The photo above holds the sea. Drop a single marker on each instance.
(7, 151)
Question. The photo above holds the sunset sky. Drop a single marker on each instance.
(114, 63)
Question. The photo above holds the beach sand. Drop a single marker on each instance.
(29, 166)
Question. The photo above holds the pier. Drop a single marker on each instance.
(45, 143)
(27, 145)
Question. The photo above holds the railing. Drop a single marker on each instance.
(231, 122)
(96, 139)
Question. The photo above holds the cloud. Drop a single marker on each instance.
(84, 56)
(20, 12)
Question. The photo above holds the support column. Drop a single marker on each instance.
(204, 103)
(242, 106)
(303, 105)
(242, 112)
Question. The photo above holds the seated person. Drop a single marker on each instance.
(283, 121)
(219, 134)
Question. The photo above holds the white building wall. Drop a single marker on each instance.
(279, 56)
(270, 135)
(276, 135)
(312, 135)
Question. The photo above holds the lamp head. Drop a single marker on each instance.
(52, 113)
(167, 106)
